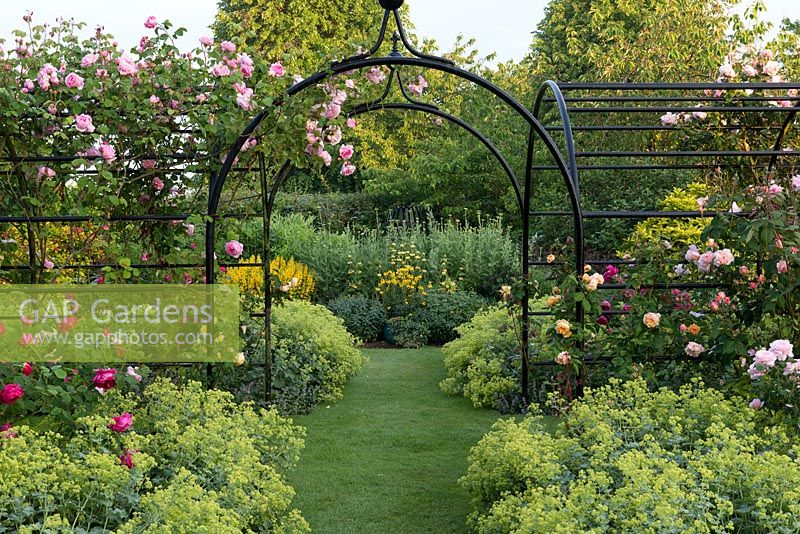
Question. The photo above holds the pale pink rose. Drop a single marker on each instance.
(332, 111)
(126, 65)
(782, 267)
(83, 123)
(206, 41)
(775, 189)
(782, 348)
(694, 350)
(351, 123)
(202, 97)
(350, 84)
(792, 368)
(132, 372)
(419, 87)
(699, 115)
(158, 185)
(375, 75)
(756, 404)
(723, 257)
(46, 172)
(750, 70)
(669, 119)
(563, 358)
(154, 100)
(220, 69)
(73, 81)
(765, 358)
(327, 159)
(28, 86)
(338, 97)
(108, 152)
(243, 99)
(227, 46)
(755, 373)
(766, 54)
(234, 249)
(705, 261)
(246, 66)
(727, 71)
(276, 70)
(150, 22)
(347, 169)
(189, 229)
(683, 327)
(334, 136)
(48, 265)
(346, 152)
(771, 68)
(796, 182)
(89, 60)
(702, 202)
(47, 76)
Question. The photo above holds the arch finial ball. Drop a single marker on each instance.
(391, 4)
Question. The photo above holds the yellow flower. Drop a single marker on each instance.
(651, 319)
(563, 328)
(550, 258)
(555, 300)
(694, 329)
(505, 293)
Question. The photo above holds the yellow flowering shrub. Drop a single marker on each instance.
(401, 288)
(294, 277)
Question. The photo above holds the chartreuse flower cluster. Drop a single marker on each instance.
(402, 285)
(195, 461)
(624, 459)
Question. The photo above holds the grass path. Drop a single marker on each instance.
(387, 457)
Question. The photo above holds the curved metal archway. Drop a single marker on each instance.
(395, 60)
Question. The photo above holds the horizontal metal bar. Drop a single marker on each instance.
(649, 127)
(119, 218)
(655, 167)
(680, 86)
(44, 159)
(696, 285)
(676, 98)
(685, 153)
(637, 214)
(669, 109)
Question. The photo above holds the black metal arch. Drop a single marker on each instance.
(395, 60)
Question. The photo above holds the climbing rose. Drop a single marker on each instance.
(158, 185)
(27, 368)
(227, 46)
(756, 404)
(782, 348)
(332, 111)
(651, 319)
(563, 328)
(206, 40)
(108, 152)
(347, 169)
(727, 71)
(121, 423)
(276, 70)
(346, 152)
(150, 22)
(234, 249)
(126, 65)
(771, 68)
(694, 350)
(48, 264)
(126, 459)
(563, 358)
(669, 119)
(73, 81)
(375, 75)
(89, 60)
(220, 70)
(104, 378)
(351, 123)
(419, 87)
(11, 393)
(750, 70)
(83, 123)
(46, 172)
(782, 267)
(796, 182)
(723, 257)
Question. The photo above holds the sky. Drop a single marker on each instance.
(505, 28)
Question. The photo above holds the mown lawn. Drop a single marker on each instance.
(387, 457)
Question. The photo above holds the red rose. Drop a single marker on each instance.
(11, 393)
(104, 378)
(126, 459)
(27, 368)
(121, 423)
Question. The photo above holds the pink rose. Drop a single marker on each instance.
(46, 172)
(206, 41)
(83, 123)
(756, 404)
(108, 152)
(132, 373)
(723, 257)
(694, 350)
(276, 70)
(220, 69)
(796, 182)
(332, 111)
(727, 71)
(48, 265)
(121, 423)
(149, 163)
(765, 358)
(750, 70)
(234, 248)
(126, 459)
(150, 22)
(347, 169)
(771, 68)
(351, 123)
(705, 261)
(419, 87)
(782, 349)
(563, 358)
(669, 119)
(11, 393)
(334, 135)
(158, 185)
(375, 75)
(327, 159)
(126, 65)
(27, 368)
(227, 46)
(89, 60)
(104, 378)
(154, 100)
(782, 267)
(346, 152)
(73, 81)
